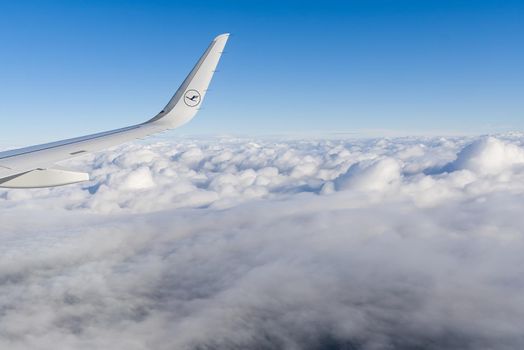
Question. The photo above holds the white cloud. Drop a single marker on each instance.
(230, 243)
(489, 156)
(374, 175)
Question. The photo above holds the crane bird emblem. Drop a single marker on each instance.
(192, 98)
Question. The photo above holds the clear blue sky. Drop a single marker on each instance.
(71, 67)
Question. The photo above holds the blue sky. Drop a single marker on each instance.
(69, 68)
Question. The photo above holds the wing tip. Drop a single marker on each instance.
(222, 36)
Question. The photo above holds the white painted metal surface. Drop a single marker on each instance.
(33, 166)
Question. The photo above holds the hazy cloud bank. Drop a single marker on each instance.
(304, 244)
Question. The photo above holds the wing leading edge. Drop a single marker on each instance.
(34, 166)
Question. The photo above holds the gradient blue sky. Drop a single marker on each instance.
(71, 67)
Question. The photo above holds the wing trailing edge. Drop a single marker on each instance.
(43, 178)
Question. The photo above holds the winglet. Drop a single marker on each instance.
(184, 105)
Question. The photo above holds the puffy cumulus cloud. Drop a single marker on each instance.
(411, 243)
(373, 176)
(489, 156)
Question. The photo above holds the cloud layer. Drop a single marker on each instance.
(269, 244)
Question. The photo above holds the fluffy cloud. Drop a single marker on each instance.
(295, 244)
(489, 156)
(371, 176)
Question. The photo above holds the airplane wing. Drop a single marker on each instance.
(34, 166)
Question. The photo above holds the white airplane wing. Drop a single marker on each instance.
(34, 166)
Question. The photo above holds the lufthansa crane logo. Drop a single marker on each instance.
(192, 98)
